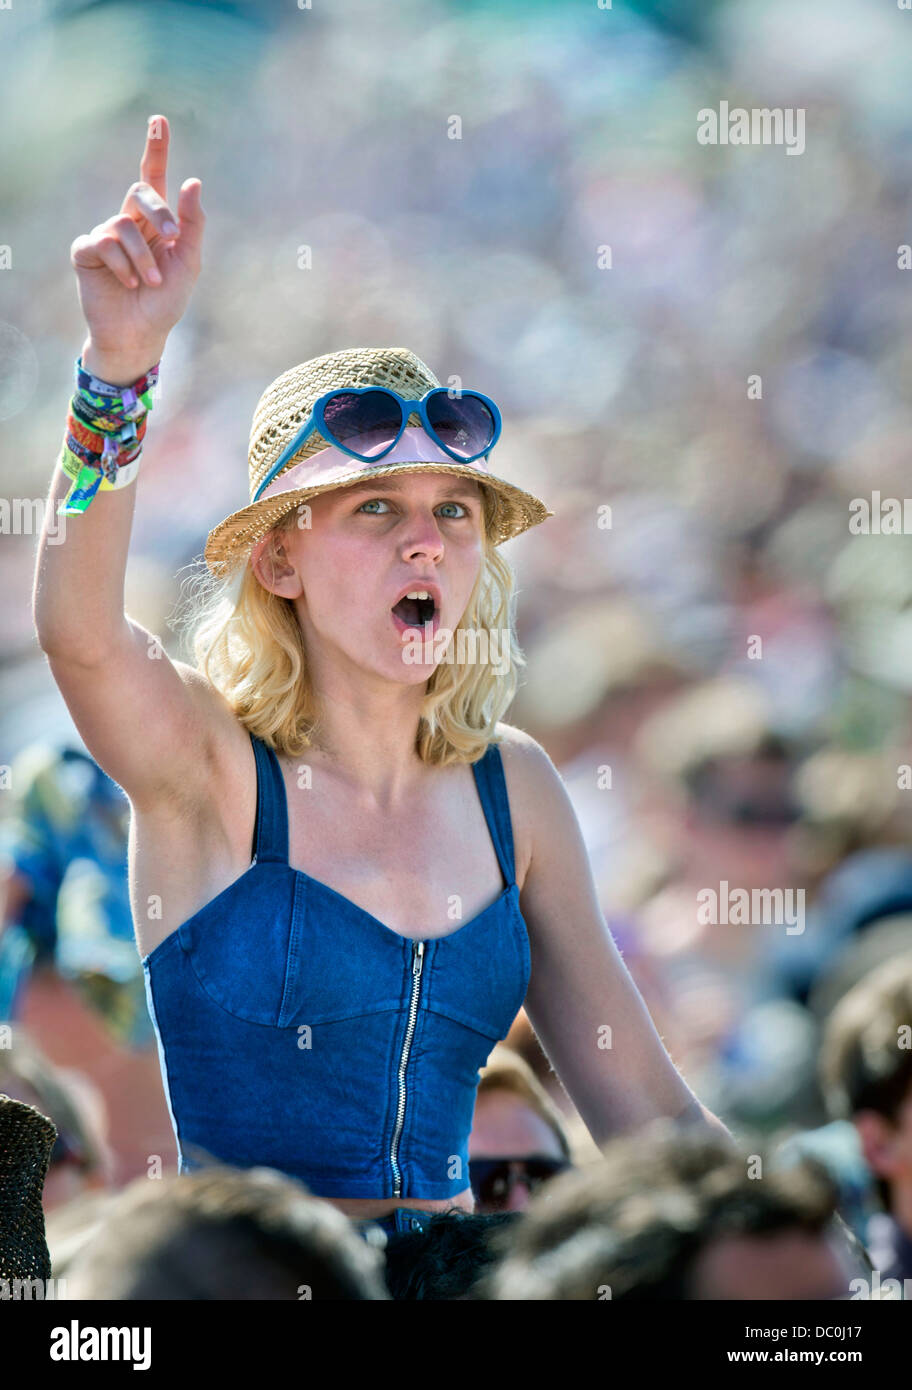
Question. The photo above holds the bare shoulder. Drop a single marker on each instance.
(534, 786)
(529, 762)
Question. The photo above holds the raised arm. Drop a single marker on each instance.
(146, 721)
(583, 1004)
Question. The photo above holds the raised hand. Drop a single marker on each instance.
(129, 312)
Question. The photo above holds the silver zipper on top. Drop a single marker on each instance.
(417, 962)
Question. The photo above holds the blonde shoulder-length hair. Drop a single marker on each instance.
(248, 643)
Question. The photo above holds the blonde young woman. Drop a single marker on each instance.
(347, 873)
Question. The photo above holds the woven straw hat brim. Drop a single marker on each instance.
(229, 544)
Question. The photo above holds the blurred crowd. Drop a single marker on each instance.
(719, 668)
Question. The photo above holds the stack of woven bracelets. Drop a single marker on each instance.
(104, 435)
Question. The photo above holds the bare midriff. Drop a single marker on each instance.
(370, 1209)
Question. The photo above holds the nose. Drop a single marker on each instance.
(520, 1194)
(519, 1197)
(424, 537)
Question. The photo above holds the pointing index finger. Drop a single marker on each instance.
(153, 167)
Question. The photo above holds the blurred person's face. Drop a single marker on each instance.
(742, 820)
(793, 1265)
(364, 546)
(506, 1127)
(887, 1148)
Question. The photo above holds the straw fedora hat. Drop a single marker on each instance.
(319, 467)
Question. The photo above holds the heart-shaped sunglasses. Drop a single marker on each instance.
(368, 421)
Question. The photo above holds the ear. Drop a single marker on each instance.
(275, 571)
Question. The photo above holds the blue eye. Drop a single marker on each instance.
(382, 502)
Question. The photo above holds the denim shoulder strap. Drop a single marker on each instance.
(271, 837)
(492, 788)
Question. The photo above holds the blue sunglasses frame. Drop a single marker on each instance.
(316, 421)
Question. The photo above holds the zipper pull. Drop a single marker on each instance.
(417, 957)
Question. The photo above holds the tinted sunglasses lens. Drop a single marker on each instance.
(542, 1169)
(366, 424)
(464, 423)
(491, 1183)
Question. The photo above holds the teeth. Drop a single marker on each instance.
(418, 593)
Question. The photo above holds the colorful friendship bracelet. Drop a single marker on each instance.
(117, 398)
(97, 420)
(93, 440)
(104, 435)
(109, 461)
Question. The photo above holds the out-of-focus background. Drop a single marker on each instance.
(710, 341)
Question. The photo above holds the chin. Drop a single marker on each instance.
(413, 675)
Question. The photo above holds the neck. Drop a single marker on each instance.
(367, 734)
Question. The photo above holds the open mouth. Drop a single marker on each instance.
(415, 612)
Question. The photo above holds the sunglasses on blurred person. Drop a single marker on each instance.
(725, 798)
(493, 1179)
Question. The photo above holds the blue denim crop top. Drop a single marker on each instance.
(298, 1032)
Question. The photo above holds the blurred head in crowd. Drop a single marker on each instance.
(225, 1234)
(850, 803)
(80, 1158)
(674, 1214)
(518, 1141)
(714, 750)
(64, 808)
(64, 889)
(866, 1074)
